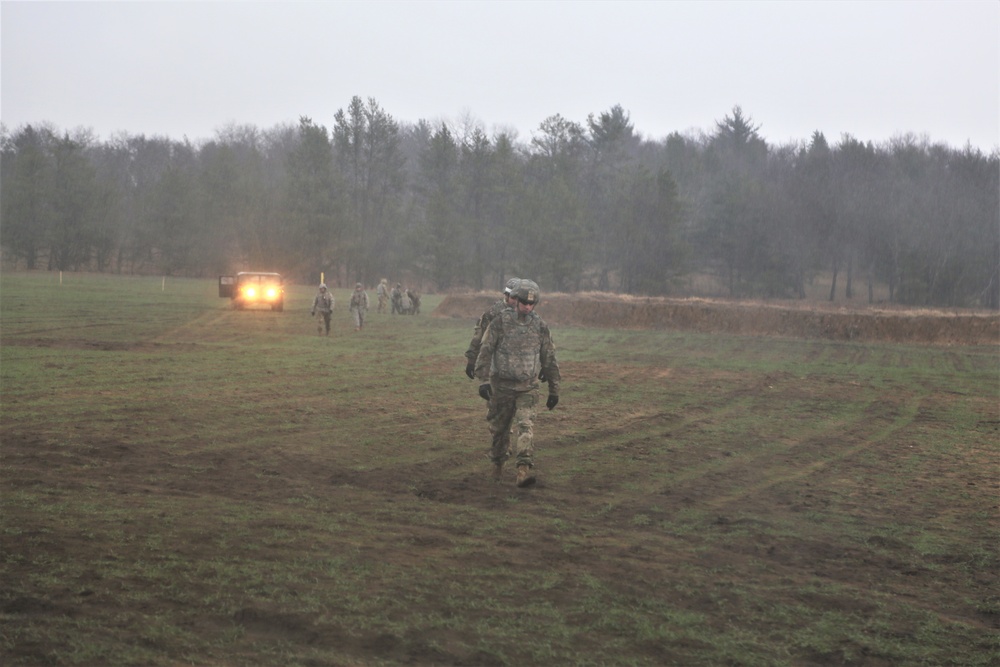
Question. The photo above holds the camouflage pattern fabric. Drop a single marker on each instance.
(512, 415)
(323, 303)
(323, 323)
(481, 326)
(514, 352)
(359, 300)
(383, 296)
(414, 301)
(359, 307)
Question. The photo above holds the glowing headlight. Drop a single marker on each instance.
(271, 293)
(250, 292)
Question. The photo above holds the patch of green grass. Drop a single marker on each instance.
(186, 484)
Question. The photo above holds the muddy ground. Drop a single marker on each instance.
(612, 515)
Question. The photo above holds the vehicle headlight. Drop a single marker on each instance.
(271, 293)
(250, 292)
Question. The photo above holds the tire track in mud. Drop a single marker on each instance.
(717, 477)
(656, 461)
(842, 431)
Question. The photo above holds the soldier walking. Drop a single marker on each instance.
(383, 296)
(359, 306)
(516, 348)
(396, 296)
(323, 304)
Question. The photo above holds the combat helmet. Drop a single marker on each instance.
(322, 286)
(527, 292)
(511, 286)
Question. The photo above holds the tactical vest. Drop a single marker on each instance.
(516, 356)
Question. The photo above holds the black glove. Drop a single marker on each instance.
(552, 402)
(486, 391)
(542, 378)
(470, 369)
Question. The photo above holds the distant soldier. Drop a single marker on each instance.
(383, 296)
(516, 349)
(508, 301)
(323, 304)
(396, 296)
(359, 306)
(414, 297)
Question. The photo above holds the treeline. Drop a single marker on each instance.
(590, 205)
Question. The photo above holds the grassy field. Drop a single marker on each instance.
(184, 484)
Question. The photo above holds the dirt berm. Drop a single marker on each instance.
(939, 327)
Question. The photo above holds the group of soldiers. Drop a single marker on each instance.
(512, 354)
(404, 301)
(324, 303)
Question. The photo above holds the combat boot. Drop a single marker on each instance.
(524, 476)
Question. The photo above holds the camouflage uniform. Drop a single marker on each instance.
(396, 297)
(323, 304)
(359, 306)
(383, 295)
(484, 323)
(514, 351)
(414, 301)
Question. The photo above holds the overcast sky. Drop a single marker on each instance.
(874, 70)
